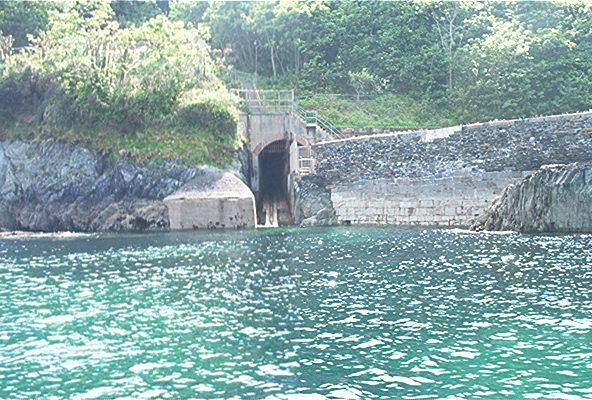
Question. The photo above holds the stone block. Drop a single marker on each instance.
(426, 203)
(450, 210)
(408, 204)
(212, 201)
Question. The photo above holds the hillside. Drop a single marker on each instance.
(477, 61)
(148, 91)
(382, 111)
(151, 77)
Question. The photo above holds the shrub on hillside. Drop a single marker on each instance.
(209, 113)
(106, 78)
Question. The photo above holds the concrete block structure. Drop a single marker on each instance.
(213, 200)
(439, 177)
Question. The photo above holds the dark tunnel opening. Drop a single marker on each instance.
(272, 205)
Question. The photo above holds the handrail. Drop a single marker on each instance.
(310, 117)
(267, 100)
(264, 101)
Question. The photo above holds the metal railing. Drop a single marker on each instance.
(257, 101)
(310, 117)
(266, 101)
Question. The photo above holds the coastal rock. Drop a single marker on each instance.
(50, 186)
(556, 198)
(313, 202)
(135, 215)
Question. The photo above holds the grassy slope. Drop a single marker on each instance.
(385, 111)
(184, 145)
(345, 111)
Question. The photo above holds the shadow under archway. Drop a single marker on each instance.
(273, 208)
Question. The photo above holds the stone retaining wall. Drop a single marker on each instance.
(443, 176)
(351, 132)
(521, 145)
(450, 201)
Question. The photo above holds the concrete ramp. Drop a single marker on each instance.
(213, 200)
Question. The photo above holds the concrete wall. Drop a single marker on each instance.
(263, 129)
(211, 213)
(450, 201)
(444, 176)
(211, 200)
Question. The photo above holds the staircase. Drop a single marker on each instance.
(322, 125)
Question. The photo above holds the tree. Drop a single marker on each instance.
(449, 20)
(363, 82)
(527, 59)
(22, 18)
(135, 12)
(188, 11)
(130, 77)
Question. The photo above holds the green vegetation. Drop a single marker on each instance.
(474, 61)
(19, 19)
(151, 87)
(384, 111)
(152, 76)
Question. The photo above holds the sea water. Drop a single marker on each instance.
(325, 313)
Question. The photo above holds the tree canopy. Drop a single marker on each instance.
(86, 74)
(471, 60)
(481, 60)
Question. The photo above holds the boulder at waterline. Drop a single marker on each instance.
(556, 198)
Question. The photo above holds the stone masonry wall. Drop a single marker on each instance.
(351, 132)
(521, 145)
(444, 176)
(450, 201)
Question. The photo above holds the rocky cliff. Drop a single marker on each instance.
(555, 198)
(313, 206)
(49, 186)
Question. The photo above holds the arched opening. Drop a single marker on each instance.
(273, 207)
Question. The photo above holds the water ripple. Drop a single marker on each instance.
(284, 314)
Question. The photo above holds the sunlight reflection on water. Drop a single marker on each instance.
(320, 313)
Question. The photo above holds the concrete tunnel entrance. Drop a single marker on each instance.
(273, 206)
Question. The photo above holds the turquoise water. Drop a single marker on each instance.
(338, 313)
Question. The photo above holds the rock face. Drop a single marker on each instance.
(313, 202)
(213, 199)
(49, 186)
(553, 199)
